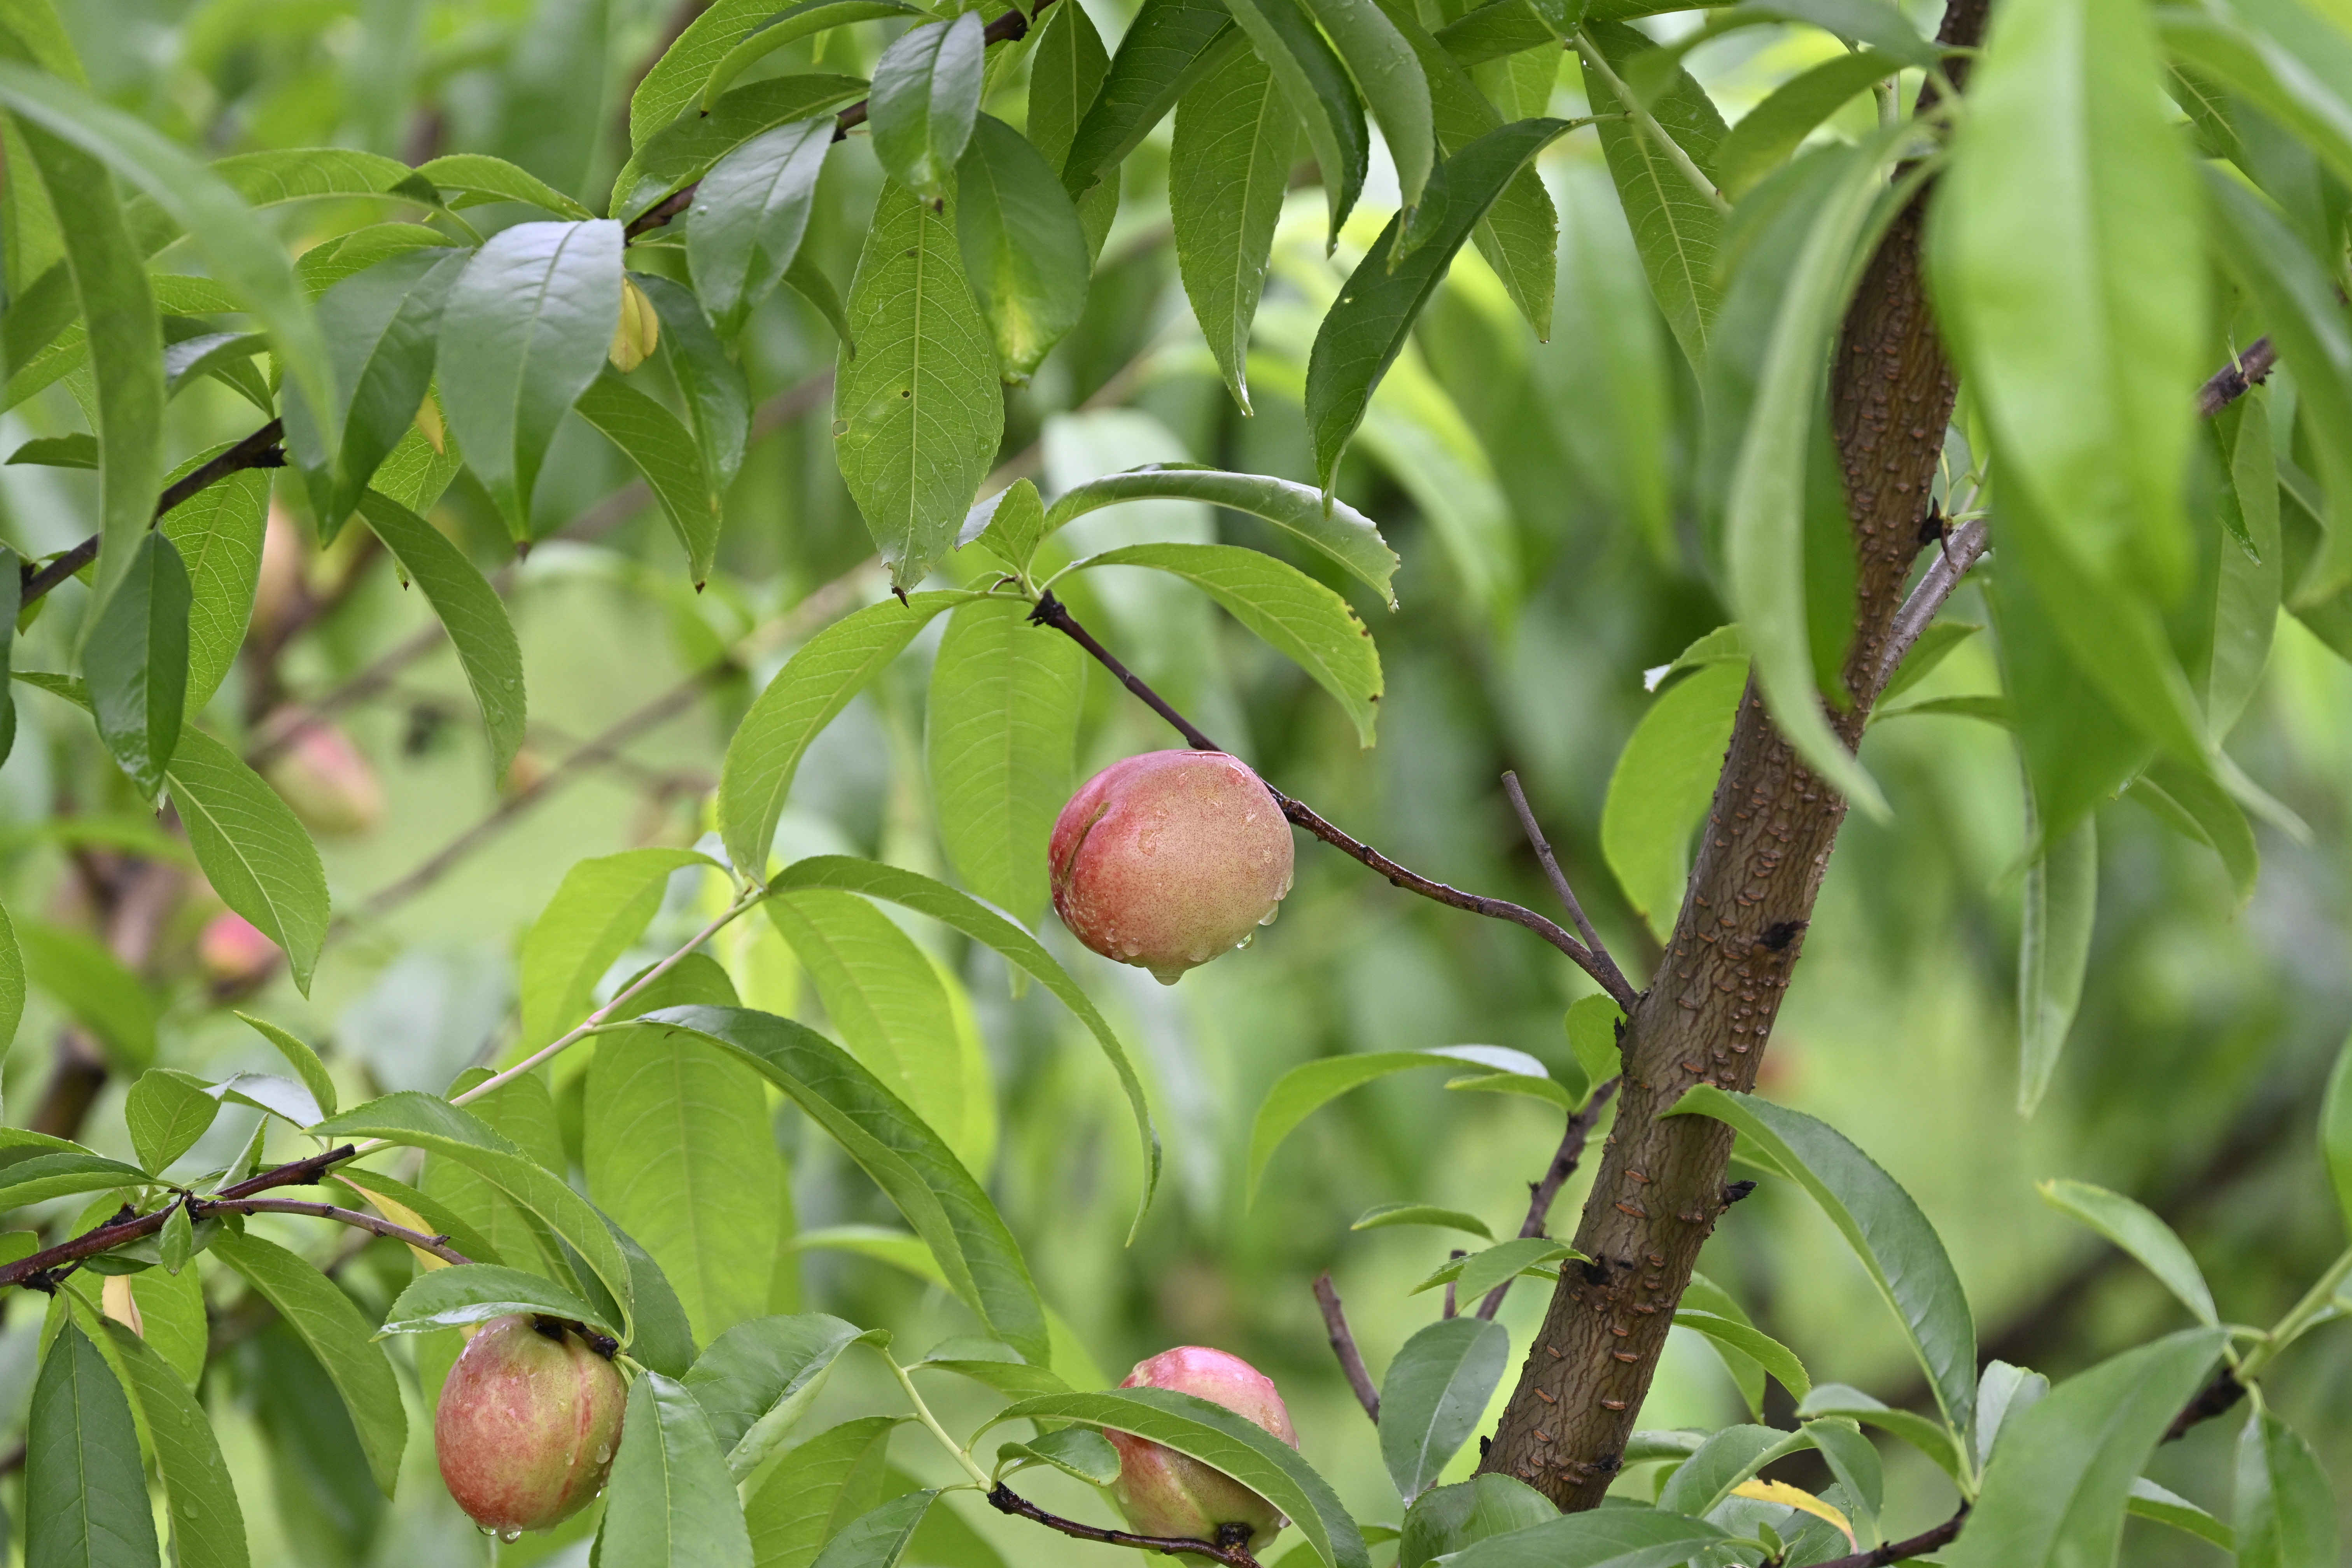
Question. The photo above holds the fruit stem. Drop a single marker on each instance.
(923, 1414)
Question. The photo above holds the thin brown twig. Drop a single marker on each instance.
(1233, 1552)
(2234, 380)
(258, 450)
(1343, 1345)
(1895, 1551)
(1542, 1193)
(1963, 549)
(1008, 28)
(438, 1245)
(1623, 989)
(300, 1172)
(1051, 612)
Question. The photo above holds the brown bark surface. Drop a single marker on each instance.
(1710, 1008)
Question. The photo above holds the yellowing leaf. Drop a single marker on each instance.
(1788, 1496)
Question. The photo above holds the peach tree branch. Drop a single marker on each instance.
(1231, 1549)
(1051, 612)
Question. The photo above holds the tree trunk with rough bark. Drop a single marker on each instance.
(1709, 1009)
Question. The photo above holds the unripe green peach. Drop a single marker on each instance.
(1168, 860)
(1165, 1493)
(527, 1424)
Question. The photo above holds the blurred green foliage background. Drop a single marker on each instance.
(1536, 493)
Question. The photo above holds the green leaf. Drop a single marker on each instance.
(665, 453)
(759, 1378)
(238, 248)
(793, 108)
(1756, 1345)
(2138, 1231)
(925, 94)
(12, 972)
(718, 398)
(2148, 1500)
(1231, 1444)
(1382, 1215)
(1767, 133)
(670, 1500)
(1935, 645)
(207, 1525)
(330, 261)
(419, 467)
(218, 533)
(1307, 1088)
(523, 333)
(1592, 1024)
(603, 907)
(950, 1210)
(812, 283)
(918, 411)
(2335, 1130)
(1678, 231)
(136, 661)
(421, 1122)
(166, 1112)
(475, 1293)
(1450, 1519)
(1168, 45)
(1386, 69)
(790, 25)
(1765, 515)
(95, 988)
(1704, 1481)
(2062, 894)
(2055, 1491)
(479, 178)
(2067, 242)
(301, 1058)
(817, 1489)
(1473, 1276)
(470, 611)
(1704, 1295)
(1894, 1241)
(40, 1177)
(1661, 787)
(85, 1496)
(1434, 1394)
(677, 1146)
(1317, 87)
(2249, 580)
(748, 214)
(342, 1339)
(2296, 298)
(678, 78)
(1076, 1451)
(662, 1340)
(1853, 1459)
(1606, 1537)
(960, 912)
(382, 325)
(878, 1538)
(1002, 748)
(251, 849)
(1008, 525)
(1299, 617)
(1332, 527)
(2002, 1391)
(1367, 328)
(1930, 1436)
(1228, 171)
(2286, 1511)
(815, 685)
(1025, 254)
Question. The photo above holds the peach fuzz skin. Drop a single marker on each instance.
(526, 1426)
(1168, 860)
(1168, 1494)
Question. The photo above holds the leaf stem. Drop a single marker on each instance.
(1648, 123)
(2299, 1318)
(923, 1414)
(546, 1053)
